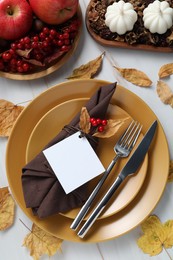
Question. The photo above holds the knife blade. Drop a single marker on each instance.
(130, 168)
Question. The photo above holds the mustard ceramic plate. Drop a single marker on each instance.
(52, 123)
(157, 172)
(53, 66)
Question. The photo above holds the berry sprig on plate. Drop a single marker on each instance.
(97, 127)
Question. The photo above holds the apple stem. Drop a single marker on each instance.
(9, 10)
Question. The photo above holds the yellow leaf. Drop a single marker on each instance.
(84, 120)
(156, 235)
(112, 127)
(39, 243)
(135, 76)
(8, 115)
(88, 70)
(166, 70)
(164, 92)
(170, 177)
(6, 209)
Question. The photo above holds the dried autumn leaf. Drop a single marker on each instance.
(7, 206)
(57, 54)
(24, 53)
(112, 127)
(166, 70)
(169, 38)
(135, 76)
(170, 177)
(156, 236)
(84, 123)
(35, 62)
(164, 92)
(40, 243)
(88, 70)
(8, 115)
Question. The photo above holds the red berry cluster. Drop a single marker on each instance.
(99, 123)
(40, 45)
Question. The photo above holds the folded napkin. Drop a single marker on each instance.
(41, 188)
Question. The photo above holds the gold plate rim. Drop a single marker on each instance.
(146, 200)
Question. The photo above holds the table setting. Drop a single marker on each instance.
(101, 105)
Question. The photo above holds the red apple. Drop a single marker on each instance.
(54, 11)
(15, 18)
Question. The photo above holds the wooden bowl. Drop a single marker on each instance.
(53, 66)
(120, 44)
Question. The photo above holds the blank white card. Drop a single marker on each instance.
(73, 161)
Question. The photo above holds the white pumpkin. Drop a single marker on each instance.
(158, 17)
(120, 17)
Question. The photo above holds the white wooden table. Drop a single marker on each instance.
(124, 247)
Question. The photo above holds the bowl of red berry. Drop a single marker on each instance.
(37, 39)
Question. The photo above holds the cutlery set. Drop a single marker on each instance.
(122, 148)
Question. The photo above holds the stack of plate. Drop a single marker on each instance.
(134, 201)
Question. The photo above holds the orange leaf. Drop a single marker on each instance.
(8, 115)
(164, 92)
(166, 70)
(112, 127)
(87, 70)
(6, 209)
(170, 177)
(135, 76)
(84, 120)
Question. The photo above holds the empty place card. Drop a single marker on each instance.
(73, 161)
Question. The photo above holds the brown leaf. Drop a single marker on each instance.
(84, 120)
(40, 243)
(35, 62)
(57, 54)
(112, 127)
(88, 70)
(6, 209)
(170, 38)
(164, 92)
(135, 76)
(166, 70)
(170, 177)
(8, 115)
(24, 53)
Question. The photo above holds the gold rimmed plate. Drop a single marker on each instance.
(53, 66)
(151, 190)
(52, 123)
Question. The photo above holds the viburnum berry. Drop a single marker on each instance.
(6, 56)
(104, 122)
(46, 30)
(42, 42)
(94, 123)
(92, 119)
(98, 121)
(100, 128)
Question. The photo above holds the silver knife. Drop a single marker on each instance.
(130, 168)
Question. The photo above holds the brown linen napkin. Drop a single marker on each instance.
(41, 188)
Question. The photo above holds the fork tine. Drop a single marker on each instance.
(131, 129)
(132, 141)
(125, 134)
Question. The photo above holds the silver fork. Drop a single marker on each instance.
(122, 148)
